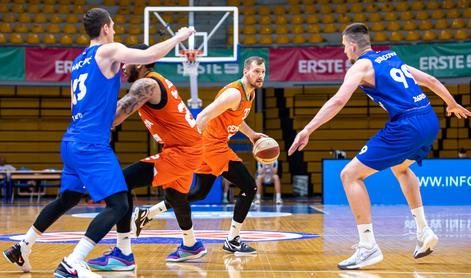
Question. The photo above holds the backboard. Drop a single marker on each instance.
(217, 31)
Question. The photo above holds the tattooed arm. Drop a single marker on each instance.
(141, 91)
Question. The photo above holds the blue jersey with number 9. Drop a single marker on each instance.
(93, 100)
(395, 89)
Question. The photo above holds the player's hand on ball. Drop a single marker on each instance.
(301, 140)
(184, 33)
(257, 136)
(458, 110)
(266, 150)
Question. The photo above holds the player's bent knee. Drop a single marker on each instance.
(173, 196)
(399, 171)
(69, 199)
(120, 210)
(250, 191)
(194, 197)
(346, 175)
(118, 203)
(123, 209)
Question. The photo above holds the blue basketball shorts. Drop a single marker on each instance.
(410, 137)
(91, 167)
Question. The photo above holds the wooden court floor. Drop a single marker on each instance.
(304, 257)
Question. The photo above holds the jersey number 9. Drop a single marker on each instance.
(400, 75)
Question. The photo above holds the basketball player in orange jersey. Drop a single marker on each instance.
(168, 120)
(223, 118)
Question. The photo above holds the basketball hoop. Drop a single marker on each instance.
(190, 65)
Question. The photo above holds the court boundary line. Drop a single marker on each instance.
(319, 210)
(365, 271)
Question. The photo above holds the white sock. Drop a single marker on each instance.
(124, 243)
(224, 196)
(188, 237)
(157, 209)
(234, 230)
(278, 196)
(258, 197)
(31, 236)
(367, 237)
(82, 249)
(419, 216)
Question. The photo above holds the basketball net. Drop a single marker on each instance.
(190, 65)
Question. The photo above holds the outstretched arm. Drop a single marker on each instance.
(334, 105)
(122, 54)
(425, 79)
(140, 92)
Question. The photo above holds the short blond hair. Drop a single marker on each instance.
(258, 61)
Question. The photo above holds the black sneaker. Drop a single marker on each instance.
(237, 247)
(139, 220)
(19, 254)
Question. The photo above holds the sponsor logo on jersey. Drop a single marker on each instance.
(419, 97)
(77, 116)
(232, 129)
(385, 57)
(80, 64)
(148, 123)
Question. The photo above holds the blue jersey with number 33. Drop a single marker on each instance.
(395, 89)
(94, 99)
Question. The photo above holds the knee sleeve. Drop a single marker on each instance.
(69, 199)
(118, 203)
(55, 209)
(240, 176)
(139, 174)
(204, 183)
(124, 225)
(180, 206)
(116, 207)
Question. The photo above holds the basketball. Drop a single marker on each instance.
(266, 150)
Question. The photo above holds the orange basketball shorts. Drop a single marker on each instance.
(174, 167)
(216, 157)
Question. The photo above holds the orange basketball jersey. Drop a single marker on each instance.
(216, 151)
(170, 124)
(224, 126)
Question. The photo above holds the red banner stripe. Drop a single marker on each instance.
(49, 64)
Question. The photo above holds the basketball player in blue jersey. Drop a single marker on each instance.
(89, 162)
(406, 138)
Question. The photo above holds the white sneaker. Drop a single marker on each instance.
(72, 268)
(19, 254)
(279, 201)
(362, 257)
(426, 241)
(257, 202)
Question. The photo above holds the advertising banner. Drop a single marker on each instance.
(442, 182)
(309, 64)
(12, 63)
(439, 60)
(49, 64)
